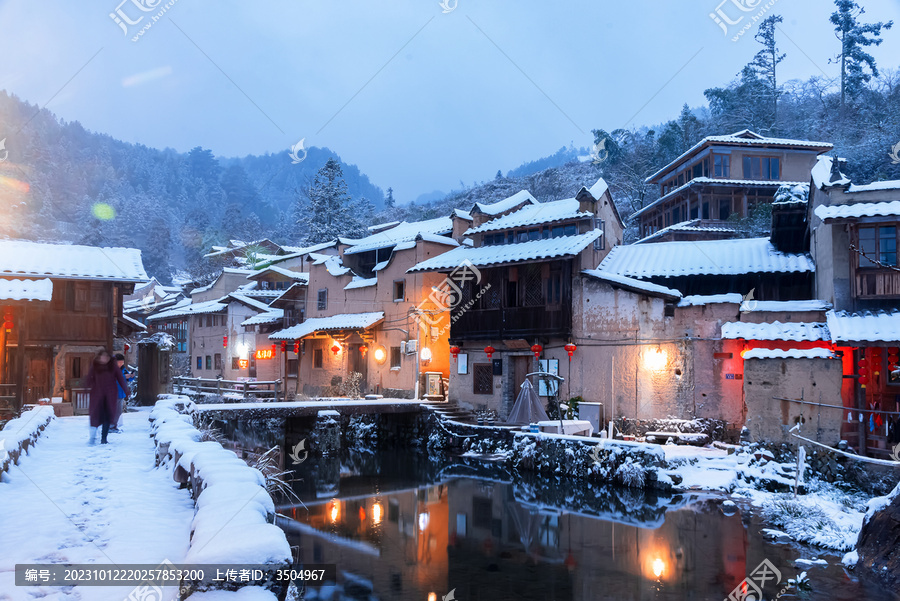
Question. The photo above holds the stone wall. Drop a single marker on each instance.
(813, 380)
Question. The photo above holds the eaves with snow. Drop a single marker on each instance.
(70, 261)
(343, 321)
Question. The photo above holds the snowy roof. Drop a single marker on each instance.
(522, 196)
(703, 257)
(343, 321)
(462, 214)
(692, 225)
(33, 290)
(712, 181)
(633, 284)
(270, 316)
(333, 264)
(821, 174)
(810, 353)
(434, 238)
(891, 184)
(135, 324)
(382, 226)
(212, 306)
(247, 300)
(794, 331)
(294, 275)
(509, 253)
(547, 212)
(599, 188)
(790, 194)
(742, 138)
(708, 299)
(302, 250)
(381, 265)
(70, 261)
(785, 306)
(404, 232)
(864, 327)
(859, 209)
(359, 282)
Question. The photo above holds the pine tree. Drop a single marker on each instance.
(499, 175)
(854, 36)
(389, 199)
(329, 211)
(766, 60)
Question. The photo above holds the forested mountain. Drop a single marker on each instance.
(62, 182)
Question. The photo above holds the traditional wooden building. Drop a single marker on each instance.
(62, 304)
(722, 177)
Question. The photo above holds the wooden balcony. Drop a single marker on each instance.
(877, 283)
(507, 323)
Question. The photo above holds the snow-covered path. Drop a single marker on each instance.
(67, 502)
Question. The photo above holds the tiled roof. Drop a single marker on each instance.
(864, 327)
(247, 300)
(33, 290)
(711, 181)
(404, 232)
(703, 257)
(509, 253)
(72, 261)
(792, 194)
(547, 212)
(794, 353)
(359, 282)
(889, 208)
(784, 306)
(522, 196)
(213, 306)
(632, 283)
(343, 321)
(302, 250)
(294, 275)
(709, 299)
(891, 184)
(793, 331)
(692, 225)
(270, 316)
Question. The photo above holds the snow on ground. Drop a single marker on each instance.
(68, 502)
(824, 516)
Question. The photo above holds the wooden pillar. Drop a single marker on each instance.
(111, 316)
(20, 358)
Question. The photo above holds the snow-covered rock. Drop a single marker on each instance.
(20, 433)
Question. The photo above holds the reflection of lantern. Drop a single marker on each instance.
(570, 562)
(454, 350)
(376, 513)
(224, 341)
(363, 350)
(380, 354)
(336, 348)
(536, 349)
(570, 348)
(489, 351)
(283, 346)
(296, 347)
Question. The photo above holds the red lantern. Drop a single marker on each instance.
(876, 351)
(489, 351)
(283, 346)
(364, 349)
(335, 349)
(864, 371)
(570, 348)
(863, 380)
(296, 347)
(224, 341)
(127, 347)
(863, 362)
(536, 349)
(454, 350)
(274, 349)
(894, 351)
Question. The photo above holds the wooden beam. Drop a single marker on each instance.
(20, 356)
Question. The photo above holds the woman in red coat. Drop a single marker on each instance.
(102, 379)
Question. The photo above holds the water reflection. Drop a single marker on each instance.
(401, 527)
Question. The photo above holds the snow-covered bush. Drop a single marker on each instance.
(807, 522)
(631, 474)
(20, 433)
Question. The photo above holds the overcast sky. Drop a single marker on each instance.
(419, 99)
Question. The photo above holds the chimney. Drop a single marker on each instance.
(586, 201)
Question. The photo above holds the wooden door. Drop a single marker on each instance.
(359, 364)
(38, 369)
(520, 368)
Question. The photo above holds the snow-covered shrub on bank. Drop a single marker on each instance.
(362, 432)
(631, 474)
(234, 518)
(20, 433)
(809, 523)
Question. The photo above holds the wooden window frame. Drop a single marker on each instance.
(482, 372)
(322, 299)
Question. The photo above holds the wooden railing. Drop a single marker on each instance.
(8, 397)
(518, 322)
(81, 400)
(231, 390)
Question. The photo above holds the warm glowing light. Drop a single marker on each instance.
(335, 510)
(265, 353)
(423, 521)
(376, 513)
(243, 363)
(103, 211)
(243, 350)
(432, 596)
(362, 514)
(659, 567)
(655, 359)
(336, 348)
(425, 354)
(380, 355)
(15, 184)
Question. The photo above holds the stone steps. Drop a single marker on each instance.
(451, 410)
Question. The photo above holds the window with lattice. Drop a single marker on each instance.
(482, 378)
(491, 299)
(532, 293)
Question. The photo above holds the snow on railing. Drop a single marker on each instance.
(234, 517)
(20, 433)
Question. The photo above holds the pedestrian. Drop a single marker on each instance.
(120, 365)
(103, 409)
